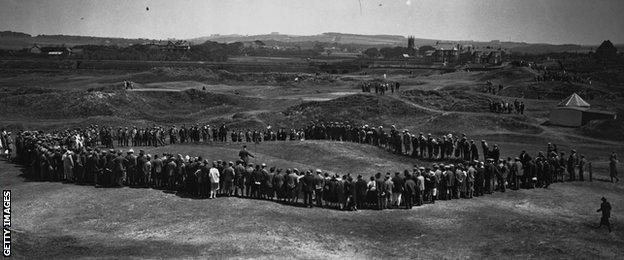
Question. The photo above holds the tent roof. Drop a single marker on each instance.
(573, 100)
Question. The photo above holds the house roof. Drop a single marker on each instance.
(445, 46)
(52, 49)
(573, 100)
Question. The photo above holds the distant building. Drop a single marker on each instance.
(446, 52)
(178, 46)
(411, 43)
(422, 50)
(257, 44)
(606, 51)
(51, 50)
(171, 46)
(35, 49)
(574, 111)
(488, 56)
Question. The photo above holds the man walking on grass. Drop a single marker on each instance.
(605, 208)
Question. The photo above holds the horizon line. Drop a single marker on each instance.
(304, 35)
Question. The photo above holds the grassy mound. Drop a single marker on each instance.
(67, 104)
(478, 123)
(168, 74)
(153, 106)
(506, 75)
(605, 129)
(453, 100)
(356, 109)
(163, 74)
(545, 90)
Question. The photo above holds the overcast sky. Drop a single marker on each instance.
(543, 21)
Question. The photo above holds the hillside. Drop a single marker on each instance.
(16, 41)
(392, 40)
(156, 106)
(358, 109)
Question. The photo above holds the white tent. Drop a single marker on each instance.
(574, 111)
(573, 100)
(569, 112)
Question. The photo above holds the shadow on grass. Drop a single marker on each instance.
(51, 246)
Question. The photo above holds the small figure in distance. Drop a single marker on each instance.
(605, 208)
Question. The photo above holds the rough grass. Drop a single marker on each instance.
(454, 100)
(357, 109)
(156, 106)
(506, 76)
(477, 123)
(606, 129)
(54, 220)
(165, 74)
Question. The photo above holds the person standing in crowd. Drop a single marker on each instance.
(119, 169)
(581, 165)
(239, 179)
(517, 170)
(613, 167)
(380, 184)
(572, 163)
(319, 182)
(420, 185)
(214, 181)
(470, 180)
(228, 179)
(278, 184)
(398, 183)
(409, 191)
(389, 191)
(308, 187)
(147, 169)
(360, 192)
(68, 166)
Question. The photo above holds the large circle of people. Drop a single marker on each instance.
(458, 170)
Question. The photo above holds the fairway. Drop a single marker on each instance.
(304, 129)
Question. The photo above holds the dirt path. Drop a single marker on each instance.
(421, 107)
(530, 70)
(156, 90)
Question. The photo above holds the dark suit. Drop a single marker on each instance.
(308, 189)
(409, 192)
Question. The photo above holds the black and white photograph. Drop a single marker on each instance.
(312, 129)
